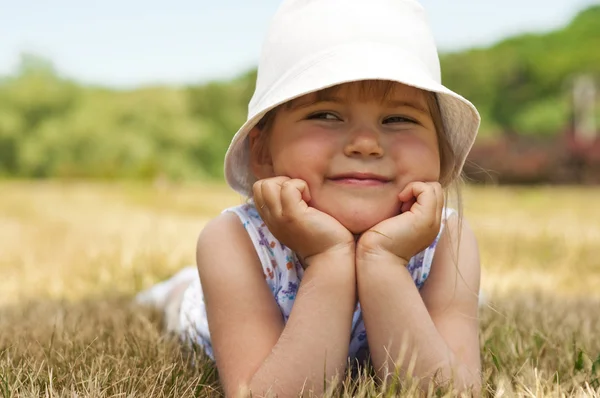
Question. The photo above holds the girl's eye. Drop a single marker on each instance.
(398, 119)
(323, 116)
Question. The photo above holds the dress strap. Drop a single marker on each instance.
(420, 265)
(271, 253)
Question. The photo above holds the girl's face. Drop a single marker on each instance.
(355, 151)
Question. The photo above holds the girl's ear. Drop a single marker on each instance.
(261, 163)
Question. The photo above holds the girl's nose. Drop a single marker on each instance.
(364, 142)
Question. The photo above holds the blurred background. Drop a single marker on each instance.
(155, 90)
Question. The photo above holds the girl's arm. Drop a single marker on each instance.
(253, 349)
(439, 325)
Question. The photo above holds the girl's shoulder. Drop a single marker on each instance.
(247, 215)
(456, 270)
(241, 228)
(226, 258)
(230, 226)
(456, 238)
(277, 260)
(222, 233)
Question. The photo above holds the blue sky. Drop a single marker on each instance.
(129, 43)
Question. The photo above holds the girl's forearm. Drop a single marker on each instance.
(400, 329)
(314, 344)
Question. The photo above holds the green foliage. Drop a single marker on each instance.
(520, 80)
(53, 127)
(545, 117)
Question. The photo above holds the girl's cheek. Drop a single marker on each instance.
(415, 147)
(408, 153)
(313, 146)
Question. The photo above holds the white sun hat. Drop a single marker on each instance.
(316, 44)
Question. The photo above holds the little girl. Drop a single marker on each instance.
(345, 246)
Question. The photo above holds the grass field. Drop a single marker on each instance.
(72, 255)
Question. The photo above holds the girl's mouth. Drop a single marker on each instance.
(360, 179)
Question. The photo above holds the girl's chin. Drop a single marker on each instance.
(357, 216)
(358, 223)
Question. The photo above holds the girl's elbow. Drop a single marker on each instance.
(273, 388)
(459, 379)
(467, 380)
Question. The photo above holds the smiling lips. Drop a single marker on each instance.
(360, 179)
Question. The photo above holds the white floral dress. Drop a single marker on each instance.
(283, 273)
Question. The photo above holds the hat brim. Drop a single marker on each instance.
(344, 64)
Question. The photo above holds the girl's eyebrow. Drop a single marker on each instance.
(305, 104)
(416, 105)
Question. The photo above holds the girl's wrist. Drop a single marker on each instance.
(372, 247)
(334, 266)
(377, 268)
(370, 256)
(337, 254)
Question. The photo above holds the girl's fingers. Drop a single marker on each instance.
(407, 198)
(419, 192)
(425, 196)
(406, 206)
(259, 201)
(410, 191)
(271, 194)
(294, 198)
(439, 192)
(436, 193)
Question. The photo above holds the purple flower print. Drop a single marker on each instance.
(263, 241)
(290, 292)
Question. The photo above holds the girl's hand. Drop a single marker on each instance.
(412, 230)
(282, 203)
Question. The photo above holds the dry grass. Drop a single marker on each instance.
(73, 255)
